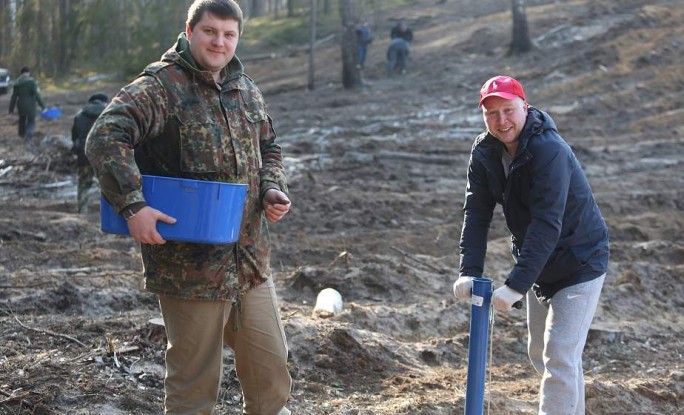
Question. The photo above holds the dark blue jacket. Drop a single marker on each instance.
(363, 36)
(559, 237)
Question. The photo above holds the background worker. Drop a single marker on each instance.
(83, 122)
(25, 96)
(397, 56)
(363, 40)
(402, 30)
(196, 115)
(559, 238)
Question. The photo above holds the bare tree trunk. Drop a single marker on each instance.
(275, 8)
(521, 42)
(40, 51)
(5, 28)
(258, 8)
(63, 29)
(312, 47)
(290, 8)
(351, 77)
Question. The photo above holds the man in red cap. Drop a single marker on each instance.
(559, 238)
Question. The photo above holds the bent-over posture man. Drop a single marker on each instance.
(559, 238)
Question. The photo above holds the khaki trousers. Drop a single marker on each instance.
(197, 332)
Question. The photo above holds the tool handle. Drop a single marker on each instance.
(518, 305)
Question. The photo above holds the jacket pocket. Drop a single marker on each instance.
(200, 146)
(562, 264)
(255, 108)
(255, 115)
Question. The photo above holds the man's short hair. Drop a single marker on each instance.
(225, 9)
(24, 69)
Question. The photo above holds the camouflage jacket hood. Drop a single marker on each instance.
(180, 54)
(174, 120)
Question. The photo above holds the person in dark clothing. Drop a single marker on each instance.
(402, 30)
(560, 240)
(25, 96)
(397, 56)
(363, 39)
(83, 121)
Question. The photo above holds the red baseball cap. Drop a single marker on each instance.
(501, 86)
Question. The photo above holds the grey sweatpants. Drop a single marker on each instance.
(557, 335)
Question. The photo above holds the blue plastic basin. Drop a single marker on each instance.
(51, 113)
(205, 212)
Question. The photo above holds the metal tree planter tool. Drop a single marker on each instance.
(480, 308)
(480, 303)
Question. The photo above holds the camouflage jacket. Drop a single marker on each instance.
(175, 121)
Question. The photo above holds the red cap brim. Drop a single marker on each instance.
(504, 95)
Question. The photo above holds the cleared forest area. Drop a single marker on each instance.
(377, 180)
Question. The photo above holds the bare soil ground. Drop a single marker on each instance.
(377, 181)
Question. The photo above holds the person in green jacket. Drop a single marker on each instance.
(25, 96)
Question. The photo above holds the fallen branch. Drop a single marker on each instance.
(72, 273)
(432, 267)
(22, 287)
(554, 30)
(48, 332)
(74, 270)
(13, 397)
(344, 255)
(86, 355)
(39, 236)
(5, 170)
(53, 185)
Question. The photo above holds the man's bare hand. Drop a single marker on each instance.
(276, 204)
(143, 226)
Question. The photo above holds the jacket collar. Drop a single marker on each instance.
(180, 54)
(537, 122)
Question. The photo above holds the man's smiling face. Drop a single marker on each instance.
(213, 41)
(505, 119)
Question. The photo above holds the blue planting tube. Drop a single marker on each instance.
(477, 345)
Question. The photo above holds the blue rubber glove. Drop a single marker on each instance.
(504, 297)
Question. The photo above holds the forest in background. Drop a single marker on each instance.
(61, 39)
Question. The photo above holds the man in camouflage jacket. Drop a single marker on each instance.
(196, 115)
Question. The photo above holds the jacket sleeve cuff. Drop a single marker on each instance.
(268, 185)
(519, 288)
(134, 207)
